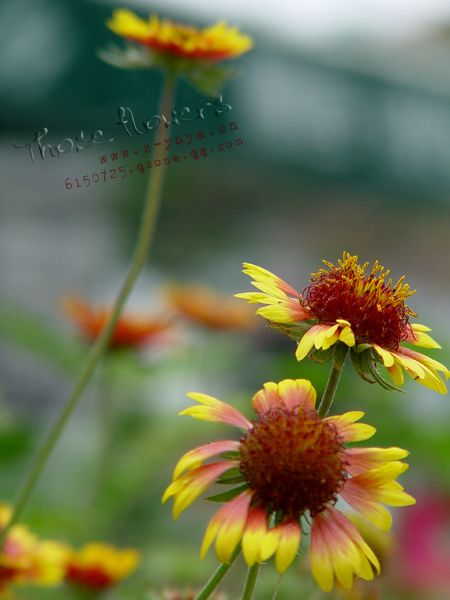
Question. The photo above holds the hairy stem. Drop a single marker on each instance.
(339, 356)
(250, 582)
(217, 577)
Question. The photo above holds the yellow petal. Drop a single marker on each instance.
(288, 544)
(347, 337)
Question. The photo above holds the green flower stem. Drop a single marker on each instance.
(217, 577)
(277, 587)
(339, 356)
(145, 237)
(250, 582)
(106, 425)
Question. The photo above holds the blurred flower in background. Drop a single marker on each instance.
(176, 47)
(27, 561)
(132, 330)
(98, 566)
(215, 43)
(204, 306)
(423, 558)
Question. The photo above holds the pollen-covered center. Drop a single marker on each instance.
(376, 311)
(293, 461)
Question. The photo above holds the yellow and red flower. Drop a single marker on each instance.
(99, 566)
(206, 307)
(345, 305)
(215, 43)
(131, 331)
(290, 467)
(26, 560)
(177, 48)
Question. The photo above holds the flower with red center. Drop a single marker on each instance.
(346, 305)
(177, 47)
(202, 305)
(99, 566)
(131, 331)
(290, 467)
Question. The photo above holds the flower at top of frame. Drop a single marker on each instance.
(177, 47)
(98, 566)
(27, 560)
(288, 470)
(215, 43)
(131, 331)
(346, 305)
(204, 306)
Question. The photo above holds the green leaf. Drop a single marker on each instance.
(210, 79)
(362, 347)
(384, 384)
(232, 476)
(228, 495)
(322, 356)
(132, 57)
(295, 331)
(359, 362)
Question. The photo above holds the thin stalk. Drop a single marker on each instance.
(250, 582)
(217, 577)
(144, 240)
(106, 425)
(333, 380)
(277, 587)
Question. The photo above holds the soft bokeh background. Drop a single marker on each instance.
(343, 110)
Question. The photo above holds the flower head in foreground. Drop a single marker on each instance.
(177, 47)
(202, 305)
(346, 305)
(99, 566)
(290, 467)
(131, 331)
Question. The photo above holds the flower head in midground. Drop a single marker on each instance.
(97, 566)
(344, 305)
(131, 331)
(204, 306)
(289, 468)
(177, 47)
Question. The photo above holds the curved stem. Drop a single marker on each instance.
(339, 356)
(250, 582)
(145, 237)
(217, 577)
(277, 587)
(106, 424)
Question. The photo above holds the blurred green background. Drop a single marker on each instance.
(345, 147)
